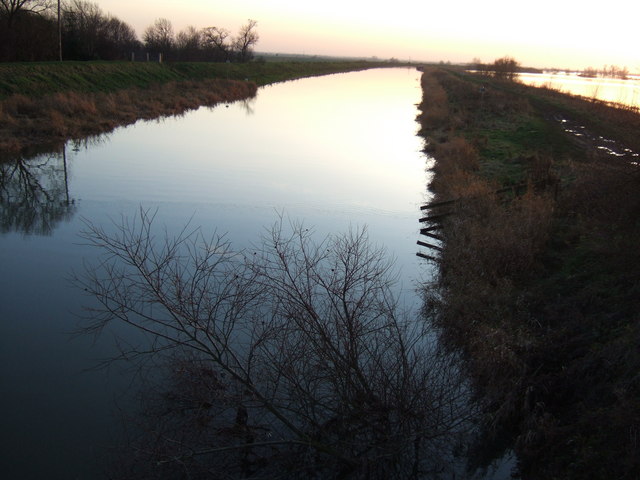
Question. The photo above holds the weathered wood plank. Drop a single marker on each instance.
(429, 245)
(438, 204)
(427, 257)
(433, 218)
(424, 231)
(430, 235)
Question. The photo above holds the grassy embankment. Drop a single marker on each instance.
(541, 291)
(47, 103)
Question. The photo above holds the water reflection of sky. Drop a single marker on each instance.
(315, 141)
(626, 92)
(334, 152)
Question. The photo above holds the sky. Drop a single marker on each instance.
(542, 33)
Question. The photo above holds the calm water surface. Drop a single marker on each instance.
(626, 92)
(333, 152)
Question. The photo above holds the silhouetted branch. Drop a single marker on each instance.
(291, 354)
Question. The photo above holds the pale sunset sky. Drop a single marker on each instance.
(542, 33)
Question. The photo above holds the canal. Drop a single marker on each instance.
(333, 152)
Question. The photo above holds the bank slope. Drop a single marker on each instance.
(541, 289)
(44, 104)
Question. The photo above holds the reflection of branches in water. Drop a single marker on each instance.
(248, 105)
(90, 141)
(288, 361)
(34, 194)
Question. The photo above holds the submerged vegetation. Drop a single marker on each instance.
(541, 291)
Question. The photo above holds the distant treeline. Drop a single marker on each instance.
(505, 68)
(32, 30)
(612, 71)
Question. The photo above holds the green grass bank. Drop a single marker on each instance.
(38, 79)
(541, 291)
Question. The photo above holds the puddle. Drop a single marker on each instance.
(600, 143)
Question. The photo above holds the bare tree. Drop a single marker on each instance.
(158, 37)
(90, 34)
(505, 68)
(291, 359)
(27, 31)
(119, 39)
(84, 26)
(215, 40)
(11, 8)
(246, 40)
(189, 44)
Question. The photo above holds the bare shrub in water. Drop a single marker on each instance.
(291, 360)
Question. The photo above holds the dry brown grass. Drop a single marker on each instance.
(57, 123)
(457, 159)
(453, 155)
(456, 184)
(488, 241)
(70, 104)
(506, 238)
(490, 244)
(434, 106)
(18, 106)
(541, 291)
(55, 118)
(604, 191)
(490, 247)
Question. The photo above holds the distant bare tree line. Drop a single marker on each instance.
(507, 68)
(612, 71)
(29, 32)
(504, 68)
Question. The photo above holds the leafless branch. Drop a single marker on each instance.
(293, 350)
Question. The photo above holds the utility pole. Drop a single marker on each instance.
(59, 34)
